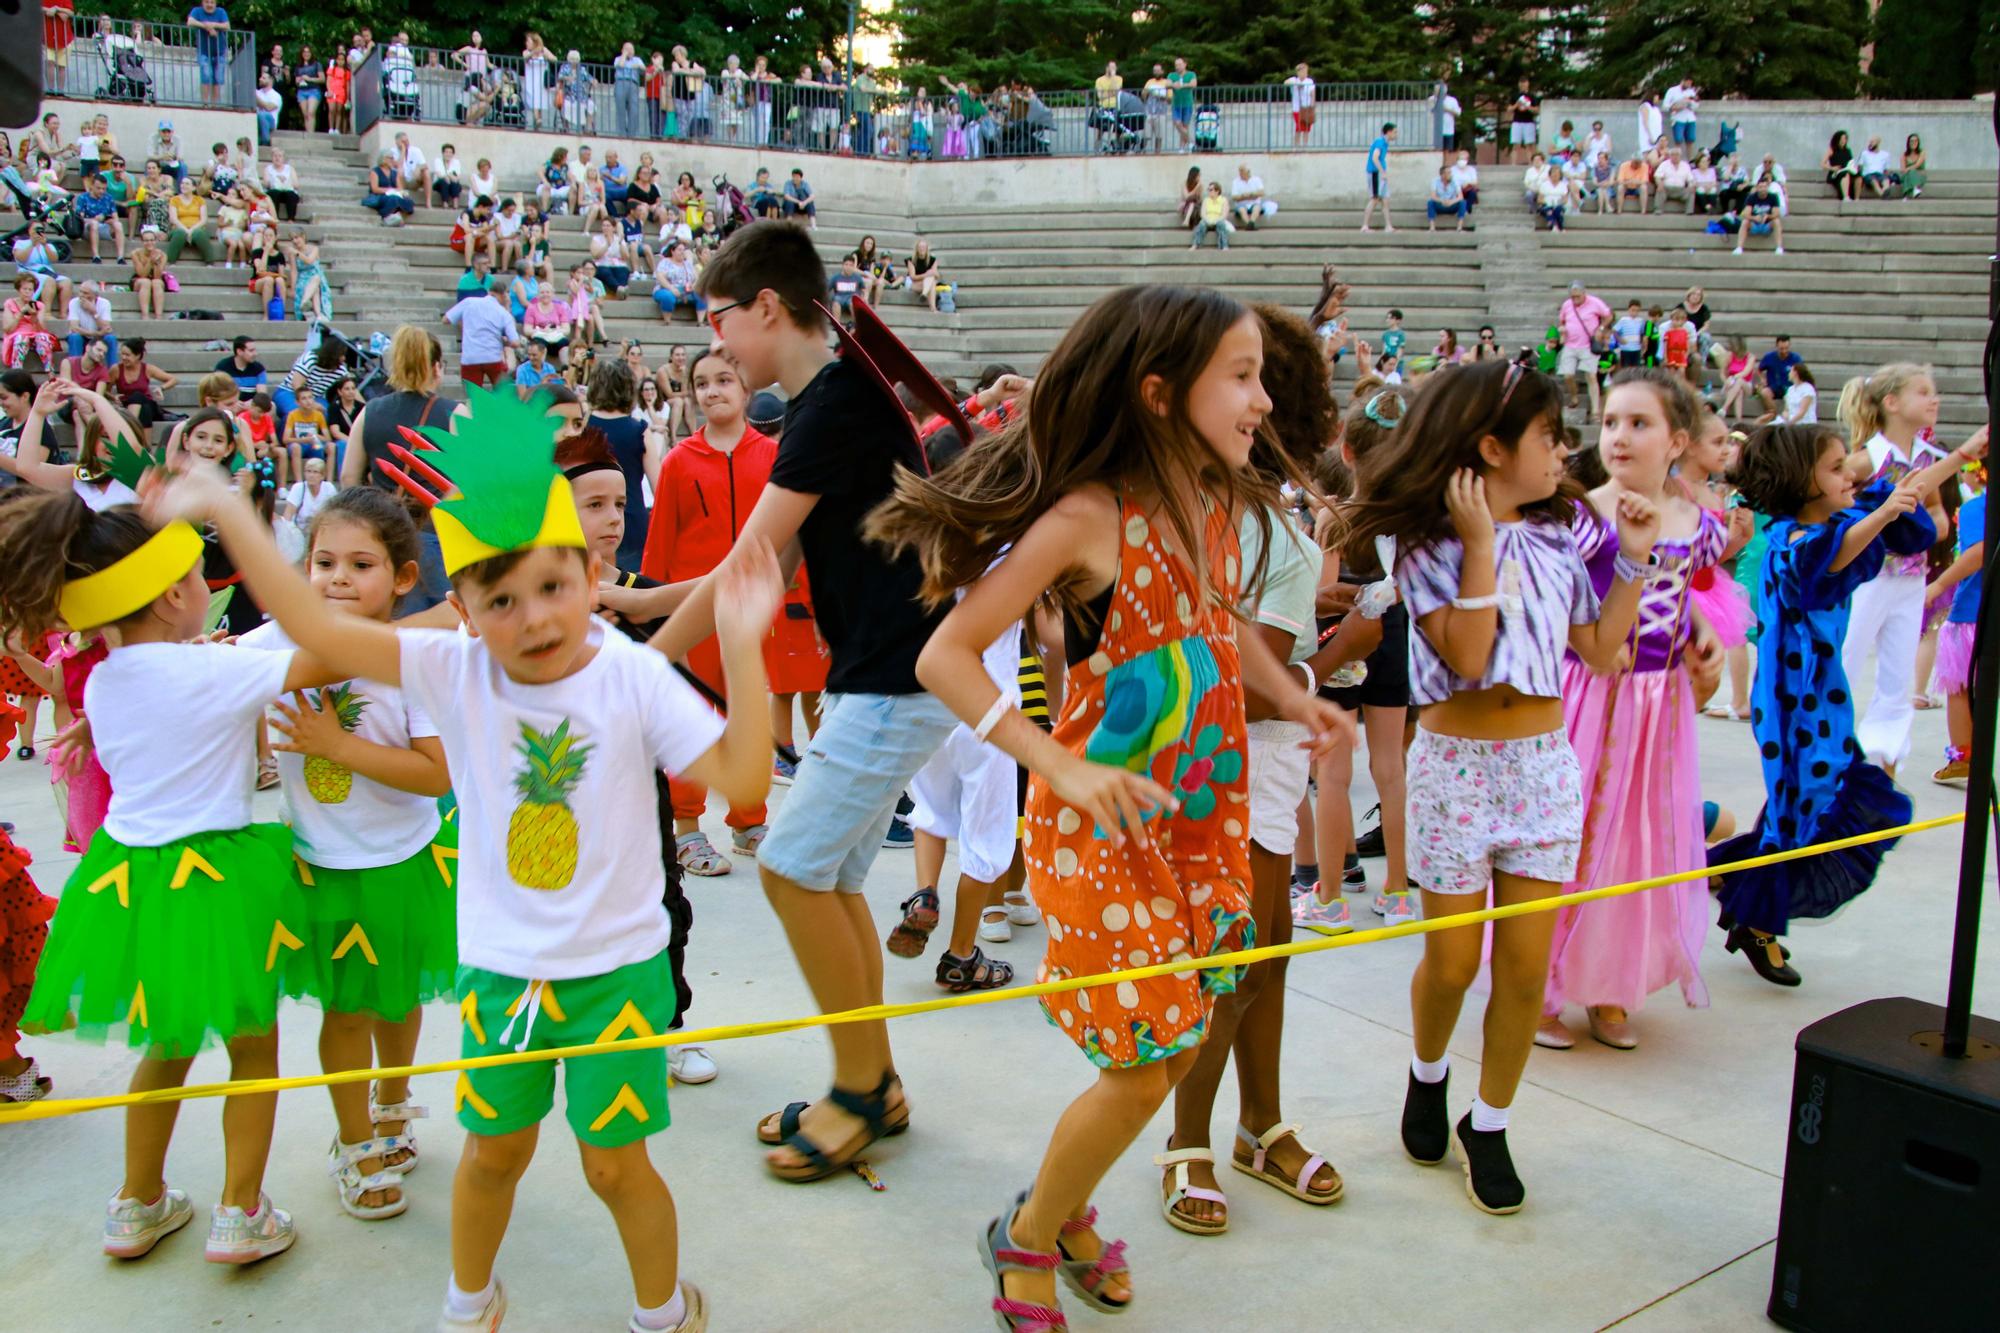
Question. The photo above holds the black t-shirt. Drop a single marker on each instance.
(627, 439)
(842, 441)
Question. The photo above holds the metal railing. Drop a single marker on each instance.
(432, 86)
(157, 64)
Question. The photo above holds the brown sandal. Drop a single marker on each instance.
(920, 918)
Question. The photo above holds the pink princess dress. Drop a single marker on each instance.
(83, 798)
(954, 136)
(1634, 737)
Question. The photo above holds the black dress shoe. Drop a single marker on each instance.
(1768, 958)
(1426, 1122)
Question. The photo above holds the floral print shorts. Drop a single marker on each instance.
(1480, 806)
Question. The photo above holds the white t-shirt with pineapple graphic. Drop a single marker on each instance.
(340, 819)
(559, 871)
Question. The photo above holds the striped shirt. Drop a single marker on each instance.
(1034, 684)
(1544, 587)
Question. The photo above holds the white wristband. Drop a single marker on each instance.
(1490, 600)
(992, 718)
(1312, 679)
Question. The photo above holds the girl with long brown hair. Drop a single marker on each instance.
(1121, 492)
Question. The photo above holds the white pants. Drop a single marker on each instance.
(1888, 618)
(966, 793)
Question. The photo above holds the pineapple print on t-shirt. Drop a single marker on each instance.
(328, 781)
(541, 833)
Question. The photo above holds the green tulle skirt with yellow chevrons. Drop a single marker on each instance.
(382, 940)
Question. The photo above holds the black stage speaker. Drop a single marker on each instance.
(1891, 1213)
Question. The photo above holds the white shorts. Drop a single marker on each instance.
(1523, 132)
(1576, 361)
(1278, 773)
(966, 794)
(1477, 807)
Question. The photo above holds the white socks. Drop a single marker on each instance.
(662, 1317)
(1430, 1071)
(1486, 1119)
(462, 1304)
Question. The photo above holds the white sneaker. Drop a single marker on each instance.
(1737, 251)
(1780, 250)
(236, 1237)
(691, 1064)
(994, 926)
(132, 1228)
(486, 1321)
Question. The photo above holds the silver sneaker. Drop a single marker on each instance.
(486, 1321)
(236, 1237)
(132, 1228)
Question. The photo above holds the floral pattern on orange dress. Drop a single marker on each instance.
(1162, 695)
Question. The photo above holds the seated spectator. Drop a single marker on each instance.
(303, 498)
(548, 320)
(799, 199)
(1673, 179)
(1532, 178)
(483, 180)
(232, 227)
(304, 436)
(1552, 198)
(1874, 168)
(1841, 172)
(1732, 180)
(674, 280)
(881, 276)
(128, 194)
(763, 198)
(385, 194)
(1801, 398)
(553, 192)
(242, 366)
(166, 150)
(448, 178)
(270, 272)
(1705, 183)
(610, 251)
(1771, 167)
(588, 200)
(486, 330)
(342, 406)
(508, 225)
(1575, 175)
(1628, 335)
(617, 182)
(642, 198)
(476, 232)
(218, 174)
(1446, 198)
(1488, 347)
(844, 286)
(88, 366)
(477, 278)
(924, 272)
(1214, 218)
(133, 383)
(320, 367)
(585, 291)
(413, 172)
(535, 368)
(1466, 176)
(1602, 183)
(1762, 216)
(24, 328)
(281, 182)
(99, 215)
(1634, 178)
(191, 227)
(149, 274)
(1916, 168)
(1191, 193)
(1248, 204)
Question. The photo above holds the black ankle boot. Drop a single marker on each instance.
(1758, 950)
(1490, 1181)
(1426, 1122)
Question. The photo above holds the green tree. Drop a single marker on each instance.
(1773, 49)
(1234, 41)
(1488, 46)
(1048, 43)
(1927, 49)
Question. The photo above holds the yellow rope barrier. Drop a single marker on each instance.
(50, 1110)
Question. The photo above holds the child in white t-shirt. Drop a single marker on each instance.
(362, 769)
(554, 724)
(176, 927)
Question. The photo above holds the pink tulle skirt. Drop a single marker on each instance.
(1724, 603)
(1952, 672)
(1634, 737)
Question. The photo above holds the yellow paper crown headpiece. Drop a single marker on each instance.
(131, 582)
(491, 480)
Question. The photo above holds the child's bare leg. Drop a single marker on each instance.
(1738, 659)
(247, 1121)
(928, 854)
(644, 1210)
(974, 897)
(149, 1128)
(1520, 971)
(1384, 728)
(1958, 720)
(482, 1201)
(346, 1042)
(1334, 817)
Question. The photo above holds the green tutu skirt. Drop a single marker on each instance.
(379, 941)
(175, 947)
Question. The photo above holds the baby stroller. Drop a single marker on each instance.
(1122, 130)
(130, 81)
(32, 212)
(1207, 127)
(732, 210)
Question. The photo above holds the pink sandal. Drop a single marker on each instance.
(1086, 1277)
(998, 1253)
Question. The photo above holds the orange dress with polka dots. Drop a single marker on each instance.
(1161, 695)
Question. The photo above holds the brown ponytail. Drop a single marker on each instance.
(47, 539)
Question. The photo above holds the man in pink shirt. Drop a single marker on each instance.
(1579, 320)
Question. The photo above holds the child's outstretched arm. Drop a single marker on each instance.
(1081, 530)
(776, 520)
(749, 590)
(1969, 562)
(307, 727)
(1599, 642)
(336, 647)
